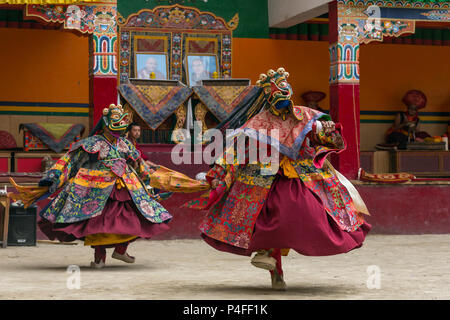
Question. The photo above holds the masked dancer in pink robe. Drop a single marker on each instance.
(302, 204)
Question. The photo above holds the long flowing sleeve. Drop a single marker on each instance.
(325, 143)
(65, 168)
(164, 178)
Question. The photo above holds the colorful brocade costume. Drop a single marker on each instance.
(245, 190)
(90, 171)
(302, 204)
(100, 192)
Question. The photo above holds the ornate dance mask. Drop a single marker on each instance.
(115, 118)
(277, 91)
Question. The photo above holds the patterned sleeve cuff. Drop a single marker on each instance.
(319, 126)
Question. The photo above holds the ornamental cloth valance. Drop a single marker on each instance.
(154, 104)
(222, 100)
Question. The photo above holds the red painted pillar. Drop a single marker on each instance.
(103, 92)
(344, 102)
(344, 88)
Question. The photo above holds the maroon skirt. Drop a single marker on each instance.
(119, 216)
(294, 217)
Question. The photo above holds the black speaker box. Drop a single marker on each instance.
(22, 226)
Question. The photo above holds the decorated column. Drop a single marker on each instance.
(344, 86)
(103, 60)
(351, 25)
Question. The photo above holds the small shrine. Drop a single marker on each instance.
(165, 55)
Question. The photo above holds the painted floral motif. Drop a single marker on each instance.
(102, 147)
(147, 208)
(122, 146)
(90, 207)
(335, 197)
(118, 166)
(242, 240)
(80, 191)
(165, 216)
(84, 18)
(236, 212)
(218, 232)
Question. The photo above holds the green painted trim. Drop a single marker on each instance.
(434, 121)
(323, 29)
(374, 121)
(303, 28)
(292, 30)
(390, 121)
(13, 15)
(313, 28)
(253, 14)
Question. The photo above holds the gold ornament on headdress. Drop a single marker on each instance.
(112, 106)
(278, 78)
(265, 78)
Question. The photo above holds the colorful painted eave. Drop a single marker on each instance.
(416, 4)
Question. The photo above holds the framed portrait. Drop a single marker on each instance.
(146, 63)
(201, 67)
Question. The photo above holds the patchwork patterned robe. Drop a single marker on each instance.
(87, 174)
(233, 213)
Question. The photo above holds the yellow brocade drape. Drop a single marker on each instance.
(170, 180)
(27, 194)
(103, 239)
(288, 169)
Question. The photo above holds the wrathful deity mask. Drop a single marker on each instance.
(115, 118)
(277, 91)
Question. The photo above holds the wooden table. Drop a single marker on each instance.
(4, 201)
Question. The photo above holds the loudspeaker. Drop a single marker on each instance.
(22, 226)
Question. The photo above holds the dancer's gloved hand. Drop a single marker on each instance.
(215, 183)
(45, 182)
(49, 183)
(51, 180)
(165, 195)
(162, 196)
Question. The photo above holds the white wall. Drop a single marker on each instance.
(287, 13)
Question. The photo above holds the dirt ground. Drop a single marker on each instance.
(408, 266)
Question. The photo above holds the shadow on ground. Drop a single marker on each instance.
(264, 290)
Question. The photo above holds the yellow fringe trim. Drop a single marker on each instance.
(101, 239)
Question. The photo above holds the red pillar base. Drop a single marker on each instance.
(344, 108)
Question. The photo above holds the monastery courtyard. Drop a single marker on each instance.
(386, 267)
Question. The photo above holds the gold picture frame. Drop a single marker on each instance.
(200, 67)
(147, 62)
